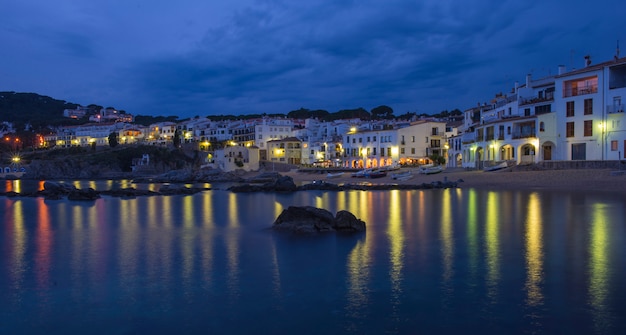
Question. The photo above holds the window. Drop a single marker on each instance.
(402, 151)
(613, 145)
(588, 106)
(542, 126)
(508, 130)
(412, 151)
(374, 139)
(374, 151)
(312, 152)
(412, 138)
(588, 128)
(435, 131)
(360, 139)
(260, 137)
(569, 109)
(569, 129)
(526, 111)
(389, 152)
(368, 139)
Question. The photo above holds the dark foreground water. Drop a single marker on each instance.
(431, 262)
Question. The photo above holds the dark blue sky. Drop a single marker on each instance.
(198, 57)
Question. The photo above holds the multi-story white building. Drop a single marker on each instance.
(322, 141)
(574, 116)
(389, 144)
(270, 129)
(590, 113)
(232, 158)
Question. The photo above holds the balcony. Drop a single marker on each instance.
(535, 100)
(615, 109)
(524, 134)
(572, 92)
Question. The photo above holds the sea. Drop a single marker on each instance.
(442, 261)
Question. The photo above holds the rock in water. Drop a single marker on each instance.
(308, 219)
(346, 221)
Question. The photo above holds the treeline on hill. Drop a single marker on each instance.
(41, 112)
(30, 108)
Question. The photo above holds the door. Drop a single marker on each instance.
(547, 152)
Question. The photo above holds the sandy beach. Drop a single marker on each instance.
(596, 180)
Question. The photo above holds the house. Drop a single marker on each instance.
(232, 158)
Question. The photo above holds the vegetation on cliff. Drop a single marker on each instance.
(81, 162)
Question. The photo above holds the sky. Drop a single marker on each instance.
(208, 57)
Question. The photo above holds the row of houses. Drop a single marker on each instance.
(573, 115)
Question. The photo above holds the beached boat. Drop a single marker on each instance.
(361, 174)
(334, 175)
(375, 174)
(430, 169)
(499, 166)
(402, 175)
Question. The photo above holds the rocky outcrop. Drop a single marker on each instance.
(308, 219)
(56, 191)
(279, 184)
(53, 190)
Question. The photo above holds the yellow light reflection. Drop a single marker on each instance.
(472, 231)
(534, 251)
(358, 269)
(187, 246)
(232, 247)
(446, 233)
(395, 233)
(44, 244)
(19, 243)
(207, 247)
(599, 267)
(492, 244)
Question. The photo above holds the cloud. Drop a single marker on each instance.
(272, 56)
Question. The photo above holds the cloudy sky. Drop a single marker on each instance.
(203, 57)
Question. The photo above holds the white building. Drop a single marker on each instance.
(237, 157)
(389, 144)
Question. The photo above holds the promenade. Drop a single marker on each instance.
(601, 180)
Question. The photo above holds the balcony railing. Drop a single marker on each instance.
(615, 109)
(524, 134)
(572, 92)
(534, 100)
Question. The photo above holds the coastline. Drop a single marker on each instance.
(593, 180)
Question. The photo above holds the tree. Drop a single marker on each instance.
(113, 141)
(439, 160)
(176, 140)
(382, 112)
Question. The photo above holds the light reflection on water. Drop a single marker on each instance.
(524, 262)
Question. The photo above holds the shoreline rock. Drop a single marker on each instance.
(308, 220)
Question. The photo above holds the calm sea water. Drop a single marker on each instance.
(456, 261)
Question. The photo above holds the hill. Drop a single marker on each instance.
(34, 109)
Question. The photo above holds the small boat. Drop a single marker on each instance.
(402, 175)
(392, 167)
(430, 169)
(499, 166)
(334, 175)
(360, 174)
(375, 174)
